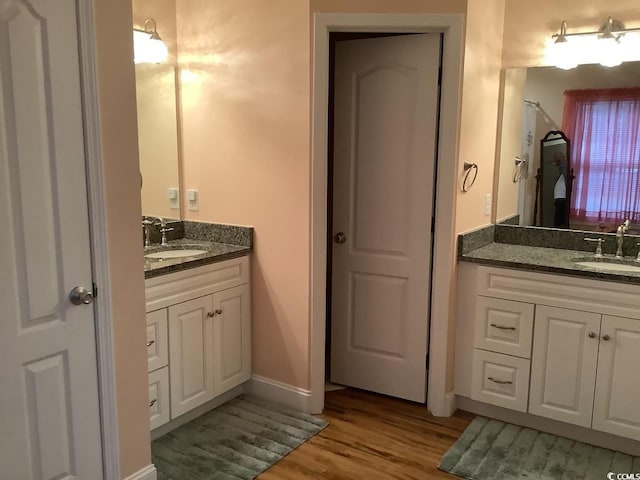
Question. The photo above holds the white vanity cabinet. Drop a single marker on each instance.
(563, 348)
(204, 313)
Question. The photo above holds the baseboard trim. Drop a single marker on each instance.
(278, 392)
(574, 432)
(147, 473)
(450, 403)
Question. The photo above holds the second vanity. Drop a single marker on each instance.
(198, 327)
(544, 343)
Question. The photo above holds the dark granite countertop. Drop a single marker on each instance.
(550, 260)
(215, 252)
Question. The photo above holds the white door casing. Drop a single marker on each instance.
(563, 364)
(49, 407)
(191, 354)
(618, 380)
(386, 97)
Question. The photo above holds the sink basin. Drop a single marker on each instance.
(611, 267)
(175, 254)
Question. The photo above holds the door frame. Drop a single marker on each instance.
(99, 246)
(439, 401)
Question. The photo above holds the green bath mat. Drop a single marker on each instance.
(236, 441)
(492, 450)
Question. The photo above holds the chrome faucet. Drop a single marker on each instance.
(622, 229)
(161, 222)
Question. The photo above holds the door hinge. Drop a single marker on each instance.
(95, 290)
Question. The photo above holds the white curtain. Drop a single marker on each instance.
(528, 135)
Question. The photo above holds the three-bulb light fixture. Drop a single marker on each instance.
(608, 46)
(148, 47)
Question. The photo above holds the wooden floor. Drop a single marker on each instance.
(373, 437)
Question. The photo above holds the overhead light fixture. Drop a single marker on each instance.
(567, 52)
(148, 47)
(564, 56)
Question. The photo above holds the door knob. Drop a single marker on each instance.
(592, 334)
(81, 296)
(606, 338)
(339, 237)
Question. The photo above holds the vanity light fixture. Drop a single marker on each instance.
(148, 47)
(568, 52)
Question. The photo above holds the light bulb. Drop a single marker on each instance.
(610, 51)
(563, 54)
(148, 49)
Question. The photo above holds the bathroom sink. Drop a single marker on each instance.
(611, 267)
(175, 254)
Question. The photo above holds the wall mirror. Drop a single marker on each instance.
(598, 109)
(158, 139)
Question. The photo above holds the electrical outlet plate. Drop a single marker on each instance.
(487, 205)
(173, 194)
(192, 200)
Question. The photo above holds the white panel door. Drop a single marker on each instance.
(191, 354)
(232, 338)
(386, 98)
(617, 402)
(49, 409)
(563, 364)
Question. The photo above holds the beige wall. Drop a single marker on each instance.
(479, 117)
(510, 143)
(117, 100)
(530, 24)
(385, 6)
(245, 142)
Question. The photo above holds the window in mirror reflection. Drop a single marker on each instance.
(533, 105)
(603, 126)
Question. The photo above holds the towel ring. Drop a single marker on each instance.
(468, 168)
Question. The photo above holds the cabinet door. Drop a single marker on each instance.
(618, 382)
(157, 340)
(191, 354)
(563, 366)
(504, 326)
(232, 338)
(159, 397)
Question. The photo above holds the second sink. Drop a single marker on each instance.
(175, 254)
(611, 267)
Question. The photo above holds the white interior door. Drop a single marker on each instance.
(386, 101)
(49, 410)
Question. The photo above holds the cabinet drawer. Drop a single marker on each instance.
(157, 340)
(159, 411)
(504, 326)
(500, 380)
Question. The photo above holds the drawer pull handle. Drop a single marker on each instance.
(501, 382)
(152, 402)
(150, 342)
(502, 327)
(592, 334)
(606, 337)
(210, 314)
(219, 311)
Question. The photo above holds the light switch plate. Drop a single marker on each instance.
(192, 200)
(487, 205)
(173, 194)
